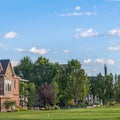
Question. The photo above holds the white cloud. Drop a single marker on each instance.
(88, 61)
(20, 50)
(99, 61)
(14, 63)
(110, 62)
(41, 51)
(85, 34)
(77, 8)
(115, 48)
(71, 14)
(33, 50)
(90, 13)
(66, 51)
(114, 32)
(90, 49)
(2, 46)
(77, 14)
(91, 33)
(66, 14)
(10, 34)
(104, 61)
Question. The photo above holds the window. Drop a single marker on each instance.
(8, 85)
(1, 86)
(14, 84)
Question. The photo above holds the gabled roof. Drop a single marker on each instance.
(4, 64)
(23, 80)
(1, 68)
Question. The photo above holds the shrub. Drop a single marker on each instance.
(55, 107)
(8, 105)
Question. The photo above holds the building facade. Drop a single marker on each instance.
(9, 84)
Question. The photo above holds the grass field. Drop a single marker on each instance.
(70, 114)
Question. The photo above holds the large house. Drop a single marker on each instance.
(9, 84)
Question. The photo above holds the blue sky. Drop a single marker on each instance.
(61, 30)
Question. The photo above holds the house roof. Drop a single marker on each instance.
(4, 64)
(23, 80)
(1, 68)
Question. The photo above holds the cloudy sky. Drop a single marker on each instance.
(87, 30)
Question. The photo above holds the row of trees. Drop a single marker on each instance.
(55, 84)
(52, 83)
(106, 88)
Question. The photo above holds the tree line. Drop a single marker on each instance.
(64, 85)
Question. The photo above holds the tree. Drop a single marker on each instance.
(56, 91)
(23, 88)
(59, 83)
(42, 71)
(101, 87)
(31, 94)
(93, 86)
(25, 68)
(117, 90)
(47, 94)
(109, 92)
(77, 82)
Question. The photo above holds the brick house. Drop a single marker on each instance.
(9, 84)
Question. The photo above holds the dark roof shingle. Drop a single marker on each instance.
(4, 64)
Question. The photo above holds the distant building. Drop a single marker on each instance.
(63, 66)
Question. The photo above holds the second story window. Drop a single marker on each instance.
(8, 85)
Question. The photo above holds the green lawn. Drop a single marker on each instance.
(70, 114)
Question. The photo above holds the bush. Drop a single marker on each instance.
(55, 107)
(18, 108)
(70, 102)
(8, 105)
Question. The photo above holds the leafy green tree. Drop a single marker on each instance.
(93, 86)
(23, 89)
(31, 94)
(76, 88)
(56, 91)
(109, 92)
(27, 94)
(117, 90)
(42, 71)
(101, 88)
(25, 68)
(59, 83)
